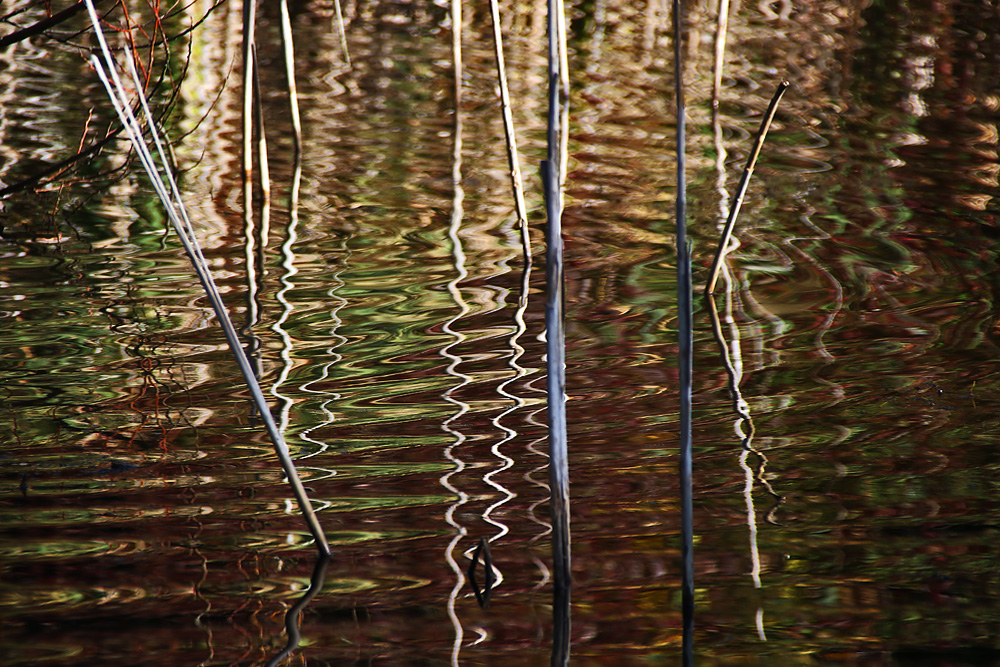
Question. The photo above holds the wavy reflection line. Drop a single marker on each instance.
(339, 302)
(517, 403)
(202, 619)
(731, 353)
(458, 261)
(289, 271)
(734, 362)
(838, 292)
(292, 616)
(287, 346)
(538, 448)
(333, 358)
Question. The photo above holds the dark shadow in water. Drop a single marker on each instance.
(292, 617)
(482, 594)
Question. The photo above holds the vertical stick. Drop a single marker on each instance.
(249, 26)
(293, 95)
(508, 128)
(339, 15)
(552, 174)
(721, 32)
(262, 163)
(685, 355)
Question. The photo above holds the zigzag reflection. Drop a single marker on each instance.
(537, 447)
(517, 403)
(458, 261)
(334, 357)
(732, 357)
(287, 345)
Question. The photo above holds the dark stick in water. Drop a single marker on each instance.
(178, 216)
(552, 169)
(685, 354)
(734, 210)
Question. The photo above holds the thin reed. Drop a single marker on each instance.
(181, 222)
(734, 209)
(685, 335)
(553, 169)
(511, 139)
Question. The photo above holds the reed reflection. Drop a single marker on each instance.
(731, 356)
(455, 360)
(295, 611)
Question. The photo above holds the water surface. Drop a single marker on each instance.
(145, 518)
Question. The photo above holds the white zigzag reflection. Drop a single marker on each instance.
(458, 260)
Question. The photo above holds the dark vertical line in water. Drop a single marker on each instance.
(685, 343)
(249, 27)
(555, 345)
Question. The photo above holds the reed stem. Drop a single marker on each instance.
(249, 27)
(293, 96)
(511, 139)
(685, 331)
(734, 210)
(339, 14)
(553, 169)
(721, 33)
(177, 213)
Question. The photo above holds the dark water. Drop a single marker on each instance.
(144, 517)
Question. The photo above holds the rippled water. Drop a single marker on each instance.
(144, 516)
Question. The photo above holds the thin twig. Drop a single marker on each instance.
(249, 23)
(293, 95)
(734, 210)
(508, 127)
(263, 162)
(340, 30)
(721, 32)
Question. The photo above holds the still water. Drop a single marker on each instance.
(145, 520)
